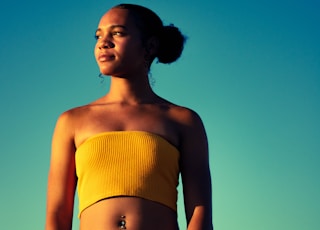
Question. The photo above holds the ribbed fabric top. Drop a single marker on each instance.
(127, 163)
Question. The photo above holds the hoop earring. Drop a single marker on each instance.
(101, 76)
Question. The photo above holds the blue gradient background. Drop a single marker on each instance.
(251, 69)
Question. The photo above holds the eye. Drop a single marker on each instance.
(97, 36)
(117, 33)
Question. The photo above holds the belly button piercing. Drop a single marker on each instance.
(122, 223)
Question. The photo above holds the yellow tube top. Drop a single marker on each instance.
(127, 163)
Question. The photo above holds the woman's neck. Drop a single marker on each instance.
(130, 91)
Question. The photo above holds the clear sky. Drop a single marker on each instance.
(251, 69)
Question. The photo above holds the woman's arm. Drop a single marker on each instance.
(195, 173)
(62, 177)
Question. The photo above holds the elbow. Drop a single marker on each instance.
(201, 219)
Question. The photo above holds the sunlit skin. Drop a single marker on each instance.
(119, 50)
(130, 104)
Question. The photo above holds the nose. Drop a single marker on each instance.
(105, 44)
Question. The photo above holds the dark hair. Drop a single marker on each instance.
(171, 40)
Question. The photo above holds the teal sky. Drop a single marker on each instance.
(251, 69)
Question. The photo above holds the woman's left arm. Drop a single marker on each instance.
(195, 173)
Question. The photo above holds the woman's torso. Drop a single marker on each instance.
(134, 212)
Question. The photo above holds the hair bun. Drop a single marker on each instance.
(171, 44)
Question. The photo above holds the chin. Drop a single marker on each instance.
(109, 70)
(106, 72)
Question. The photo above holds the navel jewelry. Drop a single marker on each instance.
(122, 223)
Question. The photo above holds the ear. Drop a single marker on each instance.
(152, 46)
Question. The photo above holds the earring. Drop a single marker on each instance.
(101, 76)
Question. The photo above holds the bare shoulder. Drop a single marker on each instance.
(76, 113)
(68, 120)
(192, 133)
(187, 117)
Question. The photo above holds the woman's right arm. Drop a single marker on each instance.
(62, 178)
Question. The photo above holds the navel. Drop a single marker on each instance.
(122, 222)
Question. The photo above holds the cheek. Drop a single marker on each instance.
(134, 51)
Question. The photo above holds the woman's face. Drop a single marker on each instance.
(119, 50)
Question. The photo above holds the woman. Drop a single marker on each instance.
(125, 150)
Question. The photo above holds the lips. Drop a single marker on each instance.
(103, 57)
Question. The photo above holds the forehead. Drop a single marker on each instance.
(117, 17)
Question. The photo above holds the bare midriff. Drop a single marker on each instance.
(129, 213)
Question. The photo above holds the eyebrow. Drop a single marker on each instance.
(113, 27)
